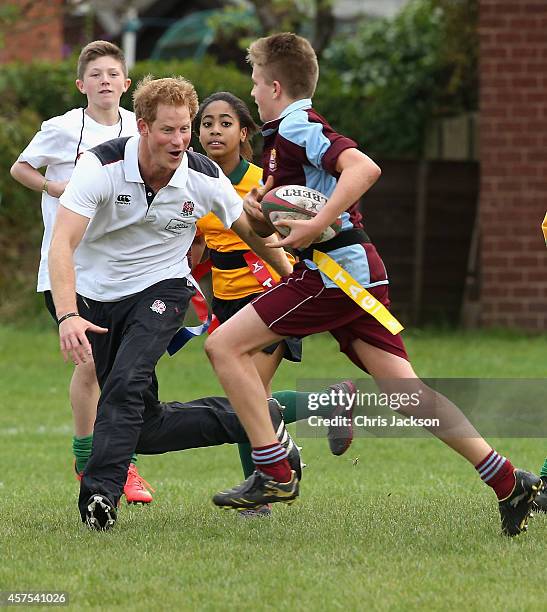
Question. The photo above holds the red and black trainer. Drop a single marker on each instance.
(135, 489)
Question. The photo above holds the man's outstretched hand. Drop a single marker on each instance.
(73, 340)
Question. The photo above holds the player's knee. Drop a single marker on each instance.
(217, 348)
(212, 348)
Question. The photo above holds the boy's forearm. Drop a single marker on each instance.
(355, 179)
(28, 176)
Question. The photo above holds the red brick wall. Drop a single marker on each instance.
(37, 33)
(513, 154)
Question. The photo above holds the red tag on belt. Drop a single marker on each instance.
(198, 301)
(259, 270)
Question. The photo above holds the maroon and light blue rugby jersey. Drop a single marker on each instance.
(301, 148)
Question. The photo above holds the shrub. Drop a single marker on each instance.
(20, 220)
(399, 73)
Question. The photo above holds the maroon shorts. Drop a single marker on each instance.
(301, 305)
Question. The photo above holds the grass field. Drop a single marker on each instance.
(409, 527)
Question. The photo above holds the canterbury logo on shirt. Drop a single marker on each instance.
(123, 199)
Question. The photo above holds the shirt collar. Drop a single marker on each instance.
(180, 176)
(131, 161)
(299, 104)
(238, 172)
(131, 165)
(270, 126)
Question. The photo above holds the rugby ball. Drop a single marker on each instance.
(296, 202)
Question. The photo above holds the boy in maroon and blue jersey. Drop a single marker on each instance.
(302, 148)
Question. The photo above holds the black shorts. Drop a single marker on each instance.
(225, 309)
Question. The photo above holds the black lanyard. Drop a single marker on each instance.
(82, 133)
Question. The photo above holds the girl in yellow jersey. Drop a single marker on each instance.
(225, 127)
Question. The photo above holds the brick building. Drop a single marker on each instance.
(38, 35)
(513, 155)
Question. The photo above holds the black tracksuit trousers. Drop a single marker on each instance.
(129, 416)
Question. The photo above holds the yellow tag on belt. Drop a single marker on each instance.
(358, 294)
(544, 228)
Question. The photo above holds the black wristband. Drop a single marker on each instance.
(67, 316)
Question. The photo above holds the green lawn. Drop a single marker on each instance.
(409, 526)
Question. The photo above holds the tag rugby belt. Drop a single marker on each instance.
(361, 296)
(317, 252)
(243, 259)
(228, 261)
(343, 239)
(235, 259)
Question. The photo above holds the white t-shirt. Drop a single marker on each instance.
(56, 146)
(136, 238)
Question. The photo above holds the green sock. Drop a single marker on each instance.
(245, 458)
(543, 472)
(296, 405)
(81, 448)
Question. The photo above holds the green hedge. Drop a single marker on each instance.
(49, 88)
(400, 73)
(43, 90)
(20, 221)
(30, 93)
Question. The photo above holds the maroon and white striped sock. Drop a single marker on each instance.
(272, 460)
(497, 472)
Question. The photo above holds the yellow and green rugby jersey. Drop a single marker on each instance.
(238, 283)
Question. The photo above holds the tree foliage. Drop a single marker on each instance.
(404, 71)
(237, 26)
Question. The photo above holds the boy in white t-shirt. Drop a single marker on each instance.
(102, 77)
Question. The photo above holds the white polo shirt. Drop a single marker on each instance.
(57, 144)
(136, 238)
